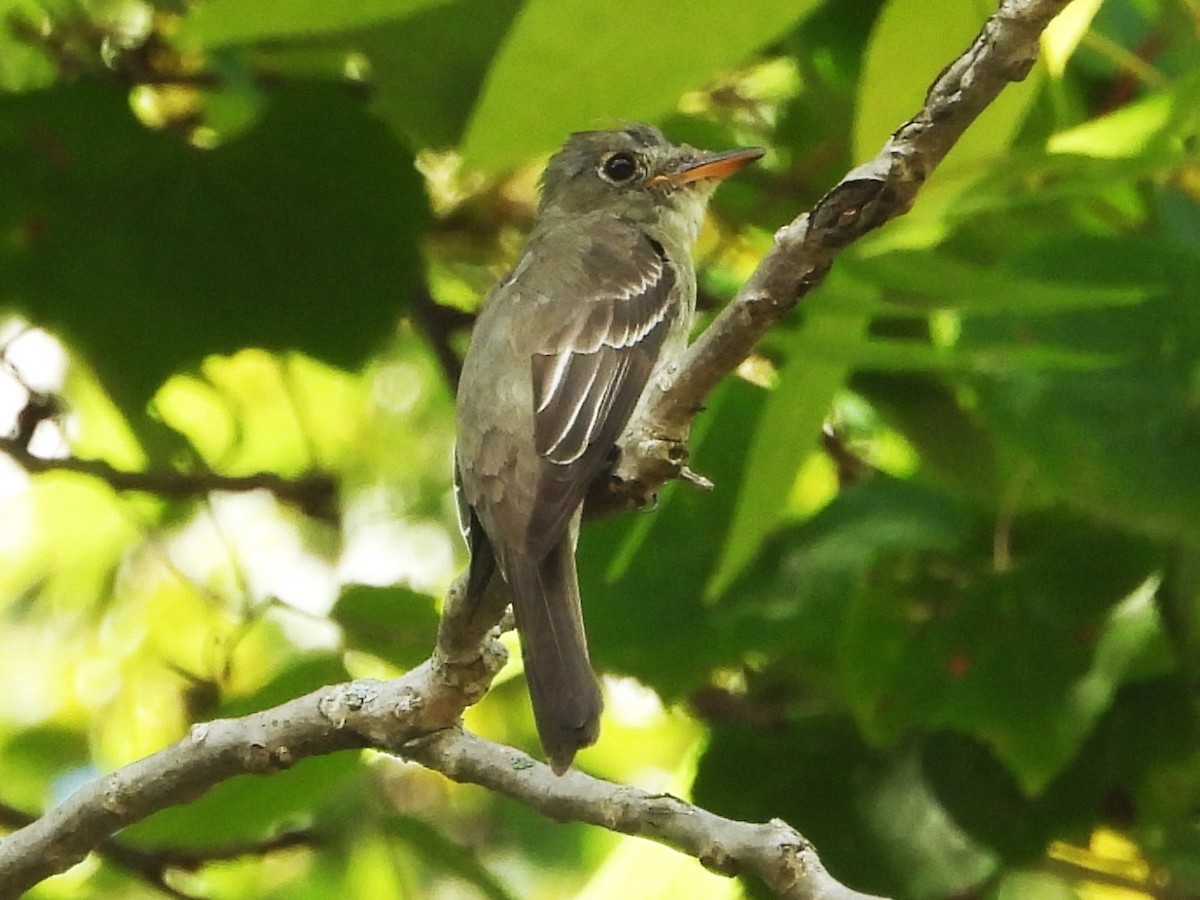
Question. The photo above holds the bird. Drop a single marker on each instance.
(597, 307)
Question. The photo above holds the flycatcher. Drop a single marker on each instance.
(598, 305)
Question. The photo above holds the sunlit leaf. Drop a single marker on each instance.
(978, 290)
(788, 431)
(427, 97)
(23, 65)
(1126, 132)
(581, 67)
(219, 22)
(1064, 33)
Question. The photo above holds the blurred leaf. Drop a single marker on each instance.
(954, 450)
(646, 618)
(427, 97)
(33, 759)
(250, 807)
(299, 235)
(298, 678)
(975, 289)
(895, 79)
(872, 817)
(581, 66)
(1064, 33)
(1120, 442)
(23, 66)
(788, 431)
(1128, 131)
(1149, 725)
(1026, 660)
(394, 623)
(659, 872)
(892, 88)
(436, 849)
(217, 22)
(795, 599)
(917, 355)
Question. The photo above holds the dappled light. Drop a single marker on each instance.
(938, 615)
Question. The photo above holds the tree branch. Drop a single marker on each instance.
(417, 715)
(151, 864)
(866, 198)
(774, 851)
(363, 713)
(314, 494)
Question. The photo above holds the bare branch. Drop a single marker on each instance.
(773, 852)
(314, 494)
(363, 713)
(151, 864)
(416, 717)
(438, 323)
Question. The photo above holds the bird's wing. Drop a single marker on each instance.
(590, 372)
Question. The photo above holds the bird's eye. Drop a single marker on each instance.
(618, 167)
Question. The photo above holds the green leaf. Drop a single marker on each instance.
(33, 759)
(1119, 442)
(789, 430)
(427, 96)
(1128, 132)
(1149, 727)
(794, 601)
(895, 79)
(434, 848)
(24, 66)
(218, 22)
(1026, 660)
(251, 807)
(579, 66)
(148, 254)
(643, 577)
(892, 88)
(306, 674)
(872, 817)
(916, 355)
(954, 450)
(974, 289)
(394, 623)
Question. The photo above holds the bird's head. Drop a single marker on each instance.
(636, 173)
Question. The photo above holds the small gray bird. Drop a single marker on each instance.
(599, 303)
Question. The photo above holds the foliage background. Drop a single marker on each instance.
(952, 639)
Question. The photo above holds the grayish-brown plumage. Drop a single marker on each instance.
(597, 306)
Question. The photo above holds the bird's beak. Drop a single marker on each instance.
(710, 166)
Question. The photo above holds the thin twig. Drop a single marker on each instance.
(438, 324)
(314, 494)
(152, 864)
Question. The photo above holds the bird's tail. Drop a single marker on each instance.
(562, 687)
